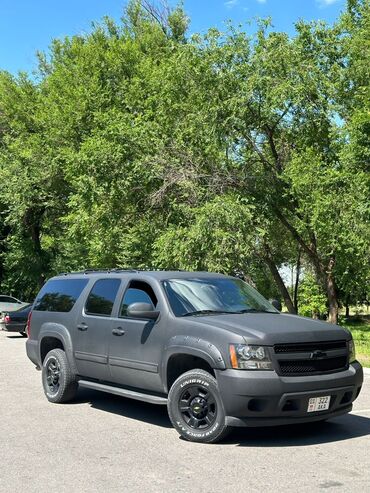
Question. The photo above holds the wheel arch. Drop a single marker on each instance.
(182, 350)
(54, 336)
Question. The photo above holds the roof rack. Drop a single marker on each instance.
(114, 271)
(92, 271)
(89, 271)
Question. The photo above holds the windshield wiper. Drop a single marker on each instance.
(253, 310)
(223, 312)
(204, 312)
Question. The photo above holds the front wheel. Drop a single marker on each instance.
(195, 407)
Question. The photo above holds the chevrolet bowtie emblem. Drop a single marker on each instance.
(318, 354)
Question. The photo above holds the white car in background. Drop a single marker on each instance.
(10, 304)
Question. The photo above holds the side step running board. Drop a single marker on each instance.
(131, 394)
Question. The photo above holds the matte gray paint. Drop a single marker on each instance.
(60, 332)
(93, 358)
(138, 359)
(136, 365)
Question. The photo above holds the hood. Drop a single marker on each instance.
(275, 328)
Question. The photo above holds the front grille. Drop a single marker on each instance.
(313, 358)
(298, 367)
(308, 347)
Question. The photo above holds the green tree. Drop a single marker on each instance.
(137, 145)
(311, 298)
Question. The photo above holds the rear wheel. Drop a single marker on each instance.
(195, 407)
(59, 382)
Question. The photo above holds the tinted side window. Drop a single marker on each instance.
(59, 295)
(101, 298)
(137, 292)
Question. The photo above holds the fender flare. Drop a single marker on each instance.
(193, 346)
(60, 332)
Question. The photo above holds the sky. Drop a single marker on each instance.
(29, 25)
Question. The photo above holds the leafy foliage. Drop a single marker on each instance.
(139, 146)
(311, 298)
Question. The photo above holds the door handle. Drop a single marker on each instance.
(118, 331)
(82, 327)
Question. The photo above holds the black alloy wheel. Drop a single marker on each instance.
(198, 407)
(195, 407)
(58, 379)
(53, 375)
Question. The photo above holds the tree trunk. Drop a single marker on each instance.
(332, 293)
(347, 309)
(33, 221)
(279, 282)
(298, 271)
(4, 232)
(324, 275)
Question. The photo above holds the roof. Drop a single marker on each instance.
(153, 274)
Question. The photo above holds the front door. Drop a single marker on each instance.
(94, 328)
(135, 349)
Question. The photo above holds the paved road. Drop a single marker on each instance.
(104, 443)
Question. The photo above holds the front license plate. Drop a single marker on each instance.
(318, 404)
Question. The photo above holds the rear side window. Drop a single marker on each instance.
(102, 296)
(59, 295)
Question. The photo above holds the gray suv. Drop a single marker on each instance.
(208, 346)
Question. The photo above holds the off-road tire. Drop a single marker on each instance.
(55, 368)
(199, 389)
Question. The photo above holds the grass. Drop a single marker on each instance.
(360, 329)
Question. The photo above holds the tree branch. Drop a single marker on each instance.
(265, 161)
(274, 152)
(311, 253)
(278, 280)
(159, 15)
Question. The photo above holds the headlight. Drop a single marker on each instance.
(352, 351)
(245, 357)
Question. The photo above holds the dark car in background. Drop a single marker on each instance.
(10, 304)
(15, 321)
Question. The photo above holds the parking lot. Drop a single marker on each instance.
(106, 443)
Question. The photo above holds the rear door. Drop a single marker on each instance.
(93, 329)
(135, 348)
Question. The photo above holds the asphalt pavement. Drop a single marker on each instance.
(104, 443)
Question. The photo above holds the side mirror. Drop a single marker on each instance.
(276, 304)
(142, 310)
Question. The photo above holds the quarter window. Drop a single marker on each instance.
(59, 295)
(102, 296)
(137, 292)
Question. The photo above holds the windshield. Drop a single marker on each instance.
(214, 295)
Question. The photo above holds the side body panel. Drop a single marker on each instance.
(91, 335)
(58, 331)
(135, 357)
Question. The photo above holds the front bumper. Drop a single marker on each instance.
(263, 398)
